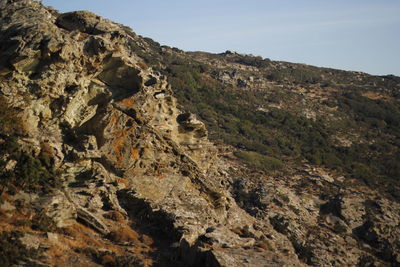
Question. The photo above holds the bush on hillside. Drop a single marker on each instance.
(259, 161)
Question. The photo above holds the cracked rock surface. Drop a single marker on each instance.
(140, 179)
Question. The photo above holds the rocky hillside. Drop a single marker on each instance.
(105, 159)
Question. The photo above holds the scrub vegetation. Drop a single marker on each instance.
(267, 123)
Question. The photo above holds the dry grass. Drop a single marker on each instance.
(17, 220)
(75, 240)
(142, 65)
(124, 234)
(115, 216)
(79, 241)
(107, 259)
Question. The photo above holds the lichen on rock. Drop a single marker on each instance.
(140, 178)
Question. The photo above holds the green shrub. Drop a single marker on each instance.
(330, 160)
(13, 251)
(232, 116)
(259, 161)
(362, 172)
(29, 172)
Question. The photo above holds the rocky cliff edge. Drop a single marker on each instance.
(131, 180)
(132, 165)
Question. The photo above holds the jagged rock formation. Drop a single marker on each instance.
(141, 182)
(114, 129)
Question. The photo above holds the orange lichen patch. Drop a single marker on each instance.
(135, 154)
(118, 146)
(127, 102)
(114, 119)
(123, 181)
(122, 148)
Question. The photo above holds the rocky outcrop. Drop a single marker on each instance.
(117, 136)
(86, 22)
(327, 222)
(141, 182)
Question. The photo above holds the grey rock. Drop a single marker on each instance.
(92, 221)
(124, 147)
(84, 21)
(7, 206)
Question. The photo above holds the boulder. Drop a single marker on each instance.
(84, 21)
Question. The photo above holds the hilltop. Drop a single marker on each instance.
(118, 151)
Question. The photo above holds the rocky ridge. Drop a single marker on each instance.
(113, 128)
(141, 182)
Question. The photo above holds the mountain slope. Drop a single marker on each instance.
(293, 112)
(100, 167)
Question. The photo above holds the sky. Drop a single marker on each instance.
(357, 35)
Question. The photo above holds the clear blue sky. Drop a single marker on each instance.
(360, 35)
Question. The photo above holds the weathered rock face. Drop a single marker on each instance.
(123, 146)
(142, 184)
(86, 22)
(328, 223)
